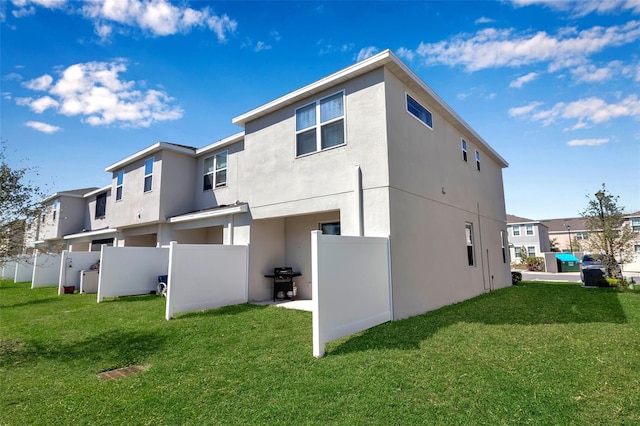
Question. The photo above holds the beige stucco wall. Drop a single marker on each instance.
(433, 194)
(223, 195)
(90, 220)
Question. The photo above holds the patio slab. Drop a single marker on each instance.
(301, 305)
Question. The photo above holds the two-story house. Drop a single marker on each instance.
(370, 150)
(531, 234)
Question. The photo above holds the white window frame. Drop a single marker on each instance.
(469, 240)
(503, 244)
(636, 248)
(635, 226)
(55, 208)
(581, 235)
(463, 146)
(529, 227)
(406, 105)
(214, 172)
(477, 160)
(529, 251)
(319, 124)
(120, 185)
(149, 175)
(513, 230)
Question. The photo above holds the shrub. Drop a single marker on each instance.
(516, 277)
(534, 263)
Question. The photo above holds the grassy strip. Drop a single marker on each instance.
(535, 353)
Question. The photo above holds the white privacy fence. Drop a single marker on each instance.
(351, 286)
(24, 269)
(129, 271)
(205, 276)
(46, 270)
(71, 263)
(8, 270)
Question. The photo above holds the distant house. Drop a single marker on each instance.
(368, 151)
(570, 234)
(528, 233)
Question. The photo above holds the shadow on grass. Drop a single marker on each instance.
(112, 348)
(525, 304)
(32, 302)
(222, 311)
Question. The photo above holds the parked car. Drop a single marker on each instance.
(596, 262)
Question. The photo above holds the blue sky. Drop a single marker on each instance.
(553, 86)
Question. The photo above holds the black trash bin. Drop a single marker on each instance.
(594, 278)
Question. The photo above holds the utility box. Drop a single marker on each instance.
(89, 281)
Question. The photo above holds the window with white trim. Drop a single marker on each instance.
(531, 251)
(503, 243)
(636, 248)
(418, 111)
(320, 125)
(463, 144)
(468, 229)
(148, 174)
(528, 229)
(215, 171)
(55, 208)
(101, 205)
(478, 160)
(515, 229)
(635, 223)
(582, 235)
(119, 182)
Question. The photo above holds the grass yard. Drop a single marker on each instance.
(535, 353)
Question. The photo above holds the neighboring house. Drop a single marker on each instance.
(633, 220)
(528, 233)
(570, 234)
(62, 214)
(370, 150)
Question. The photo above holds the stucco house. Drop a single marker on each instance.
(528, 233)
(368, 151)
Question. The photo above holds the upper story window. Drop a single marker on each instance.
(635, 223)
(119, 182)
(529, 229)
(320, 125)
(582, 235)
(478, 160)
(515, 230)
(504, 245)
(55, 208)
(419, 112)
(215, 171)
(148, 174)
(636, 248)
(101, 205)
(464, 150)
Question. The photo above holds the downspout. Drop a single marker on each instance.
(359, 209)
(484, 280)
(231, 228)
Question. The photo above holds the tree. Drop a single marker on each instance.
(553, 245)
(607, 235)
(19, 200)
(523, 254)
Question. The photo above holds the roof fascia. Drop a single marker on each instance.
(156, 147)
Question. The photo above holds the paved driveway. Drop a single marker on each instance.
(566, 276)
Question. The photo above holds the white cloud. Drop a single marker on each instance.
(366, 52)
(584, 7)
(40, 83)
(42, 127)
(495, 48)
(524, 110)
(157, 17)
(484, 20)
(587, 142)
(12, 76)
(261, 45)
(405, 53)
(521, 81)
(585, 112)
(94, 90)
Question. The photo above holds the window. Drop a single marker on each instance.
(636, 248)
(531, 251)
(419, 112)
(516, 230)
(635, 223)
(503, 243)
(478, 160)
(529, 229)
(101, 205)
(55, 208)
(582, 235)
(313, 134)
(332, 228)
(215, 171)
(119, 180)
(148, 175)
(464, 150)
(468, 227)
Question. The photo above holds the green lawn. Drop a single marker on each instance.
(535, 353)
